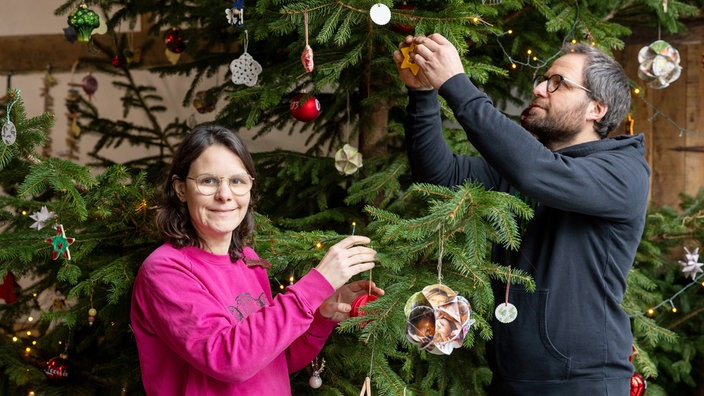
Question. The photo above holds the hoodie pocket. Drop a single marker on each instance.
(523, 349)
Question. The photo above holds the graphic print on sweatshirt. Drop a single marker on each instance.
(245, 304)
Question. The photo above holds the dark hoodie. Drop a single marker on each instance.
(571, 336)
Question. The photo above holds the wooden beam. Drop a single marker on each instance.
(34, 53)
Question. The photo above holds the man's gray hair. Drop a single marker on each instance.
(608, 84)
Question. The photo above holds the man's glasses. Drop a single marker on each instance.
(209, 184)
(554, 82)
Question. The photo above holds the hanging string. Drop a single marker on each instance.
(367, 387)
(508, 285)
(15, 98)
(441, 250)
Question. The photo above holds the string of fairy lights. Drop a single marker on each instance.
(532, 61)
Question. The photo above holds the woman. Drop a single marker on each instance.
(202, 310)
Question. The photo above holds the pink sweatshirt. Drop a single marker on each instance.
(207, 326)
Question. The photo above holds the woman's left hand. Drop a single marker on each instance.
(338, 306)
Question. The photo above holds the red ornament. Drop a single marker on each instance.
(174, 42)
(116, 61)
(360, 302)
(57, 368)
(307, 111)
(638, 385)
(403, 28)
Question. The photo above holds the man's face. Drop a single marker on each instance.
(557, 117)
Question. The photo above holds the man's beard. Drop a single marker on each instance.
(550, 128)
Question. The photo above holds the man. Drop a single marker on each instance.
(571, 336)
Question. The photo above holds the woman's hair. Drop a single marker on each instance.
(172, 218)
(608, 84)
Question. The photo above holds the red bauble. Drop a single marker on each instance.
(307, 111)
(174, 42)
(360, 302)
(57, 368)
(403, 28)
(638, 385)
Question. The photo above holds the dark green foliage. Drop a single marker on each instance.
(304, 205)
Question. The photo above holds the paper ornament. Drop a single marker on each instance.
(437, 319)
(9, 133)
(659, 64)
(41, 218)
(380, 14)
(348, 160)
(692, 266)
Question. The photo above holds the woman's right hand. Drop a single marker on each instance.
(346, 259)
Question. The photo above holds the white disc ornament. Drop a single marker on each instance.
(315, 381)
(9, 133)
(380, 14)
(506, 312)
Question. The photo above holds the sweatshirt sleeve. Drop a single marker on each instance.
(176, 308)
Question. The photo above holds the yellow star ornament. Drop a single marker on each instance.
(407, 64)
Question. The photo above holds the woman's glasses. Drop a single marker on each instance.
(239, 184)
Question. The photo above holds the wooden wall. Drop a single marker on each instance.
(672, 119)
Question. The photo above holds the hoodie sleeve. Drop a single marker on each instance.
(604, 182)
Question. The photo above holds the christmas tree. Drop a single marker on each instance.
(82, 231)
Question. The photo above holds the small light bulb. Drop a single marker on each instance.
(574, 41)
(651, 311)
(14, 339)
(530, 51)
(34, 342)
(281, 287)
(636, 91)
(29, 319)
(28, 349)
(29, 332)
(513, 66)
(318, 245)
(510, 31)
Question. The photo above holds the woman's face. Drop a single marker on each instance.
(216, 216)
